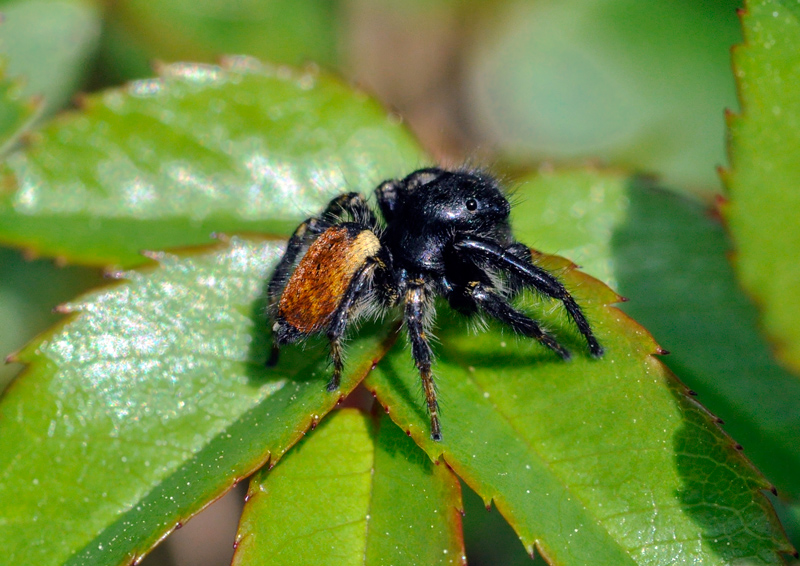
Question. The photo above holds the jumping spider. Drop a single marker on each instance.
(446, 233)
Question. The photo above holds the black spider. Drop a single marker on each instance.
(446, 233)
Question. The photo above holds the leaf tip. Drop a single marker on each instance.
(662, 352)
(12, 358)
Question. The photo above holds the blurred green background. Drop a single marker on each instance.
(641, 86)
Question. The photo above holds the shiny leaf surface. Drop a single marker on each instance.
(353, 493)
(168, 161)
(150, 401)
(764, 169)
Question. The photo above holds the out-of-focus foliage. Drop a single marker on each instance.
(640, 84)
(764, 174)
(139, 32)
(50, 45)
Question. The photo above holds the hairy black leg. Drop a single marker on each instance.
(494, 305)
(274, 354)
(416, 304)
(535, 277)
(340, 317)
(515, 282)
(388, 194)
(355, 205)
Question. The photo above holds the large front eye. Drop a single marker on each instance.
(472, 204)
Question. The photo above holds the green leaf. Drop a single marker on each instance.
(764, 170)
(669, 257)
(592, 461)
(351, 494)
(50, 45)
(148, 403)
(282, 31)
(168, 161)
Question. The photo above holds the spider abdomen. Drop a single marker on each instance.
(321, 279)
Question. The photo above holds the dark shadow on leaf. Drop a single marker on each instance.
(671, 262)
(719, 489)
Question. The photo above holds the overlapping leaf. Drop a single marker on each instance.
(148, 403)
(167, 161)
(764, 172)
(353, 494)
(669, 257)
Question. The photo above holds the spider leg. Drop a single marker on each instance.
(415, 314)
(388, 194)
(496, 306)
(523, 252)
(358, 286)
(535, 277)
(355, 205)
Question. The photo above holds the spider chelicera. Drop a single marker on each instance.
(446, 233)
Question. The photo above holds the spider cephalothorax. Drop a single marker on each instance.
(446, 233)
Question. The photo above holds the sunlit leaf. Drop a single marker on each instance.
(764, 169)
(148, 403)
(351, 494)
(168, 161)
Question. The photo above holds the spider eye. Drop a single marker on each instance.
(472, 204)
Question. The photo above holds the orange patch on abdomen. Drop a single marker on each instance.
(319, 282)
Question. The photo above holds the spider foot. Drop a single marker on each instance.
(333, 384)
(272, 361)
